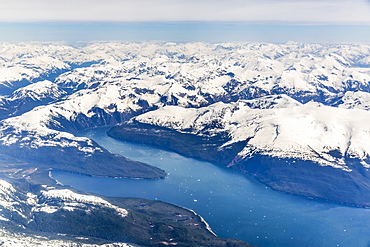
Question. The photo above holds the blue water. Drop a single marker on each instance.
(235, 205)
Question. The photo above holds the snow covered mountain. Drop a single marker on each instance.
(27, 240)
(30, 211)
(48, 200)
(286, 129)
(26, 98)
(45, 215)
(276, 142)
(267, 109)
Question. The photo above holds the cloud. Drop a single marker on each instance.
(289, 11)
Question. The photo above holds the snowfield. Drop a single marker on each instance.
(22, 240)
(294, 101)
(15, 203)
(308, 131)
(49, 200)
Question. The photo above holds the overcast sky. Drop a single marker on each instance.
(299, 11)
(18, 16)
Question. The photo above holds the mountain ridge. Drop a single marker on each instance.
(126, 80)
(293, 115)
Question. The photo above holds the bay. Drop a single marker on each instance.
(235, 205)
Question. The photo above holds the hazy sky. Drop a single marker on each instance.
(301, 11)
(178, 20)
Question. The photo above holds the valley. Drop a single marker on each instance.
(234, 204)
(292, 115)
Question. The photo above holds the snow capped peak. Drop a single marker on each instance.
(292, 100)
(51, 200)
(38, 91)
(72, 201)
(6, 186)
(355, 100)
(131, 78)
(272, 101)
(22, 240)
(22, 209)
(311, 131)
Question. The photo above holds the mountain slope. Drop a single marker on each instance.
(287, 137)
(293, 115)
(43, 213)
(243, 101)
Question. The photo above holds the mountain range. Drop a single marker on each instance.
(293, 115)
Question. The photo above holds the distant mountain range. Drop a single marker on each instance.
(293, 115)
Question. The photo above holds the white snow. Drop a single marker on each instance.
(129, 75)
(50, 200)
(307, 132)
(9, 239)
(74, 200)
(356, 100)
(126, 76)
(38, 91)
